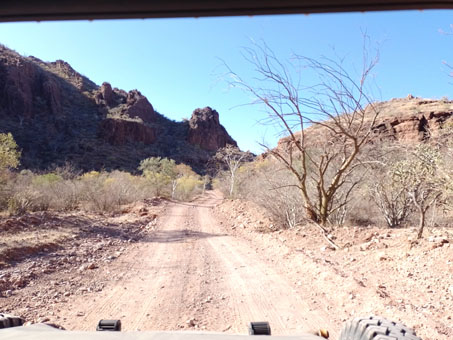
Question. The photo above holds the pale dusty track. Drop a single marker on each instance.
(188, 268)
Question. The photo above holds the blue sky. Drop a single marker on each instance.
(175, 62)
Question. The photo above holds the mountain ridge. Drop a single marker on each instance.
(403, 120)
(58, 116)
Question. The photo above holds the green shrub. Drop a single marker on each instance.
(188, 186)
(46, 179)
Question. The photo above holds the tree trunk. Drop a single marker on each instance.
(311, 214)
(421, 224)
(323, 213)
(174, 184)
(231, 185)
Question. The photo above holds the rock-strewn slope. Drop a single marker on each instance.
(58, 115)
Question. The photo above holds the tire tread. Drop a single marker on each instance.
(7, 321)
(376, 328)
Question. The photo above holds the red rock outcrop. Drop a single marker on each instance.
(52, 92)
(130, 112)
(106, 93)
(25, 89)
(406, 120)
(412, 128)
(120, 132)
(130, 104)
(206, 131)
(411, 119)
(62, 68)
(137, 106)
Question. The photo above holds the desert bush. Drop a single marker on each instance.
(158, 171)
(67, 194)
(23, 201)
(221, 182)
(228, 160)
(166, 178)
(102, 191)
(160, 183)
(94, 191)
(271, 186)
(422, 174)
(188, 187)
(31, 192)
(22, 196)
(391, 198)
(9, 153)
(63, 189)
(9, 159)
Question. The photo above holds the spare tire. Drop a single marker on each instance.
(376, 328)
(7, 321)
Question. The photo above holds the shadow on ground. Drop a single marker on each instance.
(176, 236)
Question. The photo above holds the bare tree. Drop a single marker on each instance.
(424, 180)
(392, 200)
(327, 123)
(231, 158)
(269, 184)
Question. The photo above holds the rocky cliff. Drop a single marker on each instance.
(405, 120)
(412, 119)
(206, 132)
(58, 115)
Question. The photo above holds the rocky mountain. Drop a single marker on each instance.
(58, 115)
(406, 120)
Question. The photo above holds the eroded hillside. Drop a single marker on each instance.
(57, 115)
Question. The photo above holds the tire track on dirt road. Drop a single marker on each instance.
(188, 274)
(152, 280)
(258, 292)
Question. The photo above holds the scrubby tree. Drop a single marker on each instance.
(231, 158)
(158, 172)
(425, 182)
(391, 198)
(269, 184)
(162, 172)
(327, 123)
(9, 152)
(180, 174)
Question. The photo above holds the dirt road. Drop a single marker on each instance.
(210, 265)
(187, 273)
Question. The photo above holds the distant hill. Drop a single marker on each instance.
(405, 120)
(58, 115)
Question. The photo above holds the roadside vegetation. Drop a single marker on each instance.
(408, 187)
(330, 169)
(66, 189)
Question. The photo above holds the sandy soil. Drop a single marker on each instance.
(207, 265)
(379, 271)
(188, 274)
